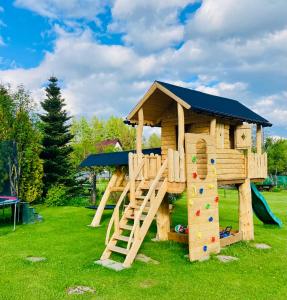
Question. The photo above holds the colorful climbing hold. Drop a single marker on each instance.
(207, 206)
(212, 161)
(210, 219)
(193, 190)
(216, 200)
(201, 190)
(197, 213)
(213, 239)
(194, 175)
(194, 159)
(204, 248)
(213, 170)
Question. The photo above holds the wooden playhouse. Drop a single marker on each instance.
(205, 142)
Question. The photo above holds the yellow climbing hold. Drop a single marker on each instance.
(199, 235)
(211, 186)
(193, 190)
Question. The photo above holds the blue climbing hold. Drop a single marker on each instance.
(210, 219)
(204, 248)
(201, 190)
(212, 161)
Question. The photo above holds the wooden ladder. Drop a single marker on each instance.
(137, 217)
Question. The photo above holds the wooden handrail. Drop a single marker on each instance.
(147, 197)
(116, 213)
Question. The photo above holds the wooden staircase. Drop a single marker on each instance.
(131, 229)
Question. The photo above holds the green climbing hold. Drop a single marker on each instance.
(194, 159)
(207, 206)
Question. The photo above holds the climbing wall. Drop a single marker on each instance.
(202, 197)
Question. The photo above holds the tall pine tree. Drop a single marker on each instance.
(57, 137)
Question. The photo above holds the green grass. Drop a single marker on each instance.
(71, 247)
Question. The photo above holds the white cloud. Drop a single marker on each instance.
(235, 49)
(66, 9)
(273, 107)
(225, 18)
(98, 79)
(148, 25)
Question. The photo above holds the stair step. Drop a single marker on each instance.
(147, 185)
(132, 217)
(119, 249)
(123, 238)
(140, 197)
(126, 227)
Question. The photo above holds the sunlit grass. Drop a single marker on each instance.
(71, 248)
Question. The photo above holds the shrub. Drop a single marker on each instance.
(79, 201)
(57, 196)
(276, 189)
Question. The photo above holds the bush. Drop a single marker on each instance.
(79, 201)
(57, 196)
(276, 189)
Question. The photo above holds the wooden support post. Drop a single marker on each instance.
(132, 179)
(140, 131)
(139, 141)
(97, 218)
(259, 139)
(180, 142)
(163, 220)
(246, 226)
(212, 130)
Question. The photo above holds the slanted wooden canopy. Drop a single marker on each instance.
(161, 95)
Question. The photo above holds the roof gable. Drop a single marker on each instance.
(212, 104)
(196, 101)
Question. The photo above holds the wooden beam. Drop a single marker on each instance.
(163, 220)
(180, 142)
(97, 218)
(213, 127)
(140, 131)
(152, 89)
(246, 226)
(259, 139)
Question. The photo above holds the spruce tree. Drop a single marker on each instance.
(56, 137)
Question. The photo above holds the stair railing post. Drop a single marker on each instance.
(132, 179)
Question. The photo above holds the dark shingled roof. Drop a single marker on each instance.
(215, 105)
(113, 158)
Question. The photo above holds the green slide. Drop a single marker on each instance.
(262, 209)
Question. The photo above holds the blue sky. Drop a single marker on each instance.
(107, 53)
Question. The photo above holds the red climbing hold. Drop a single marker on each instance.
(197, 213)
(194, 175)
(216, 199)
(213, 239)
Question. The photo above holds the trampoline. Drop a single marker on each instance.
(10, 201)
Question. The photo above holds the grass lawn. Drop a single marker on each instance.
(71, 247)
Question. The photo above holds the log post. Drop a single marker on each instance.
(246, 226)
(259, 139)
(163, 220)
(132, 178)
(212, 130)
(140, 131)
(180, 142)
(97, 218)
(139, 140)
